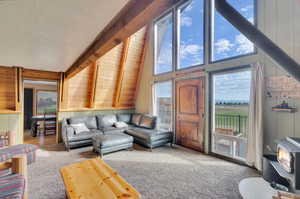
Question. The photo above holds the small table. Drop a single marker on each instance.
(94, 179)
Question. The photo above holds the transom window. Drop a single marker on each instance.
(227, 41)
(191, 34)
(179, 36)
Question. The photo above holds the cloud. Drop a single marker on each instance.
(244, 46)
(186, 21)
(247, 8)
(191, 52)
(223, 46)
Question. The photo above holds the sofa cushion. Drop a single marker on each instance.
(148, 134)
(106, 120)
(110, 140)
(12, 186)
(148, 122)
(124, 118)
(90, 121)
(84, 135)
(120, 125)
(79, 128)
(135, 119)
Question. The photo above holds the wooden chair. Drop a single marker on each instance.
(49, 125)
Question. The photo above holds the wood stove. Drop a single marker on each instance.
(288, 162)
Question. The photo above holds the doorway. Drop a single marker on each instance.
(40, 110)
(28, 107)
(230, 113)
(190, 111)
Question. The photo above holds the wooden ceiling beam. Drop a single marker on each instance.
(40, 74)
(121, 72)
(135, 15)
(93, 84)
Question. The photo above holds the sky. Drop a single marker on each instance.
(227, 41)
(232, 87)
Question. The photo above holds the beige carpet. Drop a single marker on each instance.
(174, 173)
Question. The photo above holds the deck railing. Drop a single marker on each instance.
(238, 124)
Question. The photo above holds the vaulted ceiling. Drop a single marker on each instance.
(51, 34)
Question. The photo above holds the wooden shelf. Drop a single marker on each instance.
(288, 110)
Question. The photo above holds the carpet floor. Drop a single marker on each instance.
(164, 173)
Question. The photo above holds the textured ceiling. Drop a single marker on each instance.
(51, 34)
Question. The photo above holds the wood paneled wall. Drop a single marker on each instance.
(78, 89)
(115, 82)
(7, 88)
(132, 68)
(108, 69)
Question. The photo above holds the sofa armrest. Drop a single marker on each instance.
(67, 132)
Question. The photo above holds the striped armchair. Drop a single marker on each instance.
(13, 170)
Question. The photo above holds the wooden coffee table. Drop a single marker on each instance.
(94, 179)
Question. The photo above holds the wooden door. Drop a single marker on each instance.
(190, 109)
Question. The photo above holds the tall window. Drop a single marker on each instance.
(163, 105)
(227, 41)
(191, 34)
(231, 95)
(46, 102)
(164, 45)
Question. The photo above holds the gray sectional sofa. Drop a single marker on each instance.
(113, 132)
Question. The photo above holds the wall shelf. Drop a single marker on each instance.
(288, 110)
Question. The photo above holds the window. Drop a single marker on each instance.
(191, 34)
(46, 102)
(227, 41)
(164, 45)
(231, 95)
(163, 105)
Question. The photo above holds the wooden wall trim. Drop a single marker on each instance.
(18, 88)
(135, 15)
(121, 72)
(96, 109)
(40, 75)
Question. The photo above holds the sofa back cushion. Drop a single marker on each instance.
(135, 119)
(124, 118)
(148, 122)
(106, 120)
(79, 128)
(89, 121)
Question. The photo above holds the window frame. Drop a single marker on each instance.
(37, 101)
(177, 38)
(211, 36)
(154, 107)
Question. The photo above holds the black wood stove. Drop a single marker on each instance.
(285, 169)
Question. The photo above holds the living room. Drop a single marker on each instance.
(149, 99)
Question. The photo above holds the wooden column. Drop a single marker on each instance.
(121, 72)
(63, 92)
(93, 84)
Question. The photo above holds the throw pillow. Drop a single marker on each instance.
(136, 118)
(79, 128)
(120, 125)
(147, 122)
